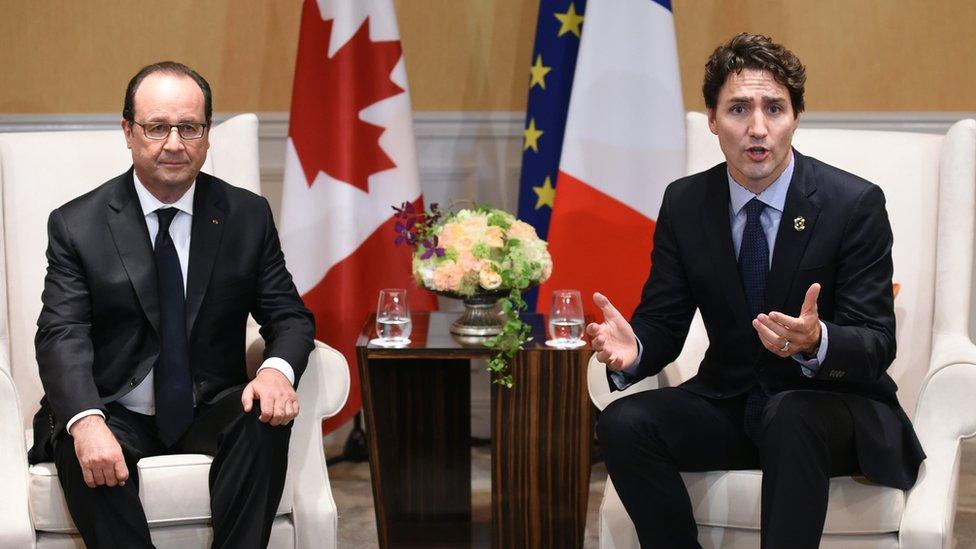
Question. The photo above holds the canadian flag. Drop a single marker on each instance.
(624, 142)
(350, 157)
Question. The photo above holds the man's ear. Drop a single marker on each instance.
(127, 132)
(712, 123)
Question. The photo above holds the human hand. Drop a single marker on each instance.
(613, 339)
(99, 453)
(784, 335)
(279, 402)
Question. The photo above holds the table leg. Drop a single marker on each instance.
(418, 415)
(541, 435)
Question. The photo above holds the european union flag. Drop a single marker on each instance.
(557, 39)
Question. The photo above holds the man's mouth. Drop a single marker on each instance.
(757, 154)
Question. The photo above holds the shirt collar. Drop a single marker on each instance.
(150, 203)
(773, 196)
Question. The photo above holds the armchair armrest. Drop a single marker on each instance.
(943, 418)
(16, 529)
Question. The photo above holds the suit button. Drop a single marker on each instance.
(132, 382)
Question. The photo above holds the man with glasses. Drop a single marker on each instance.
(140, 342)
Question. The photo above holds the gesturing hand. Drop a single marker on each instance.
(613, 339)
(279, 402)
(99, 453)
(784, 335)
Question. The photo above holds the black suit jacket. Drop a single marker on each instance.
(98, 331)
(834, 231)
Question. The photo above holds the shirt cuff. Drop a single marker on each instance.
(624, 378)
(810, 367)
(84, 413)
(280, 364)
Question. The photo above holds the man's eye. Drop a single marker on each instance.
(187, 128)
(737, 109)
(156, 128)
(775, 109)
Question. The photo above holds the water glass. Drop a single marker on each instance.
(393, 324)
(566, 319)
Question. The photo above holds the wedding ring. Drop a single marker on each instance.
(785, 347)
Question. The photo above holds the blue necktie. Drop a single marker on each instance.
(754, 267)
(173, 388)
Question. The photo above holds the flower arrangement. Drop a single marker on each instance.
(476, 251)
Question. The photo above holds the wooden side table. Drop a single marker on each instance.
(418, 422)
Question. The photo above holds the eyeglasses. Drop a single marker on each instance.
(159, 131)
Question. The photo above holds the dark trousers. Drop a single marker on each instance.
(806, 437)
(246, 477)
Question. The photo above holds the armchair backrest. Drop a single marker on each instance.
(39, 171)
(929, 182)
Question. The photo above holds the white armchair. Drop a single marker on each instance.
(38, 172)
(930, 185)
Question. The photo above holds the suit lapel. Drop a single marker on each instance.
(128, 227)
(797, 224)
(209, 215)
(718, 235)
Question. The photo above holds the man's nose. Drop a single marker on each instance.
(173, 141)
(757, 126)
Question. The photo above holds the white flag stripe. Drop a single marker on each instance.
(348, 16)
(625, 128)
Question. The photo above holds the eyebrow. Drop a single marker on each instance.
(765, 98)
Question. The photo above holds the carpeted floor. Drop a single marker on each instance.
(357, 526)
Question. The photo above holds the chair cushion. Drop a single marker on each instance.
(855, 506)
(173, 489)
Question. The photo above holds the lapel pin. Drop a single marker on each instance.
(799, 223)
(215, 221)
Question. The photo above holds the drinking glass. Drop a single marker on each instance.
(566, 320)
(393, 324)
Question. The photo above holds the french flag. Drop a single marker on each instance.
(350, 157)
(624, 142)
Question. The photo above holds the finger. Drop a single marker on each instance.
(89, 477)
(777, 328)
(267, 409)
(98, 477)
(279, 412)
(247, 398)
(787, 321)
(609, 311)
(291, 410)
(769, 337)
(121, 472)
(592, 329)
(809, 306)
(109, 473)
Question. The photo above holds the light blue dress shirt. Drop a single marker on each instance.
(774, 197)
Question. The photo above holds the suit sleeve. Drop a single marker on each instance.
(63, 342)
(862, 331)
(664, 314)
(287, 326)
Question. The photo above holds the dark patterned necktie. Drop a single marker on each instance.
(754, 267)
(173, 388)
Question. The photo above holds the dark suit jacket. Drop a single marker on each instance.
(98, 331)
(844, 244)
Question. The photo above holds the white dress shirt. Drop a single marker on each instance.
(142, 398)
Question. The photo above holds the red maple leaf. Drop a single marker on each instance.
(328, 96)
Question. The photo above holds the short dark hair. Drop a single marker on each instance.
(754, 51)
(167, 67)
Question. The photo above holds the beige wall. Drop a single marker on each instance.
(63, 56)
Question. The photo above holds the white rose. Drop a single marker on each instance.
(489, 279)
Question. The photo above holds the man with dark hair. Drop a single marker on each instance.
(789, 261)
(140, 341)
